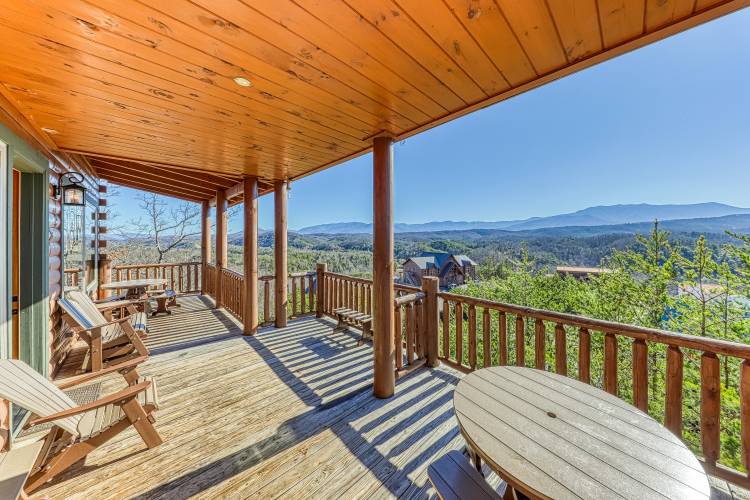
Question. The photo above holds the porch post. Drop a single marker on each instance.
(321, 270)
(383, 268)
(250, 256)
(205, 242)
(221, 242)
(280, 249)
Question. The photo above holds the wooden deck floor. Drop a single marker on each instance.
(286, 413)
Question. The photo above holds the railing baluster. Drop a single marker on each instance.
(472, 337)
(745, 412)
(446, 329)
(410, 320)
(673, 398)
(311, 294)
(486, 332)
(420, 329)
(561, 350)
(584, 355)
(520, 342)
(540, 347)
(610, 363)
(294, 296)
(398, 338)
(710, 406)
(640, 374)
(266, 301)
(459, 333)
(502, 341)
(302, 296)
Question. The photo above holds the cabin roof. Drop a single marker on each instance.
(151, 88)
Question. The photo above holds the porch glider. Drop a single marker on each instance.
(77, 430)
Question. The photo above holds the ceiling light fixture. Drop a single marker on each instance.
(242, 82)
(49, 130)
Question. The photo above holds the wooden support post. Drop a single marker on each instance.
(383, 268)
(280, 249)
(205, 243)
(250, 257)
(105, 276)
(321, 269)
(221, 243)
(431, 318)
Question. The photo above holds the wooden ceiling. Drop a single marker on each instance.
(146, 91)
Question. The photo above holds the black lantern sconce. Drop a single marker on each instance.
(73, 192)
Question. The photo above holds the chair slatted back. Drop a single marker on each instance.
(23, 386)
(82, 309)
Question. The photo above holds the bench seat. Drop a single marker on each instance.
(361, 320)
(454, 478)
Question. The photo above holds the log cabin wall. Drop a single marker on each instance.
(26, 147)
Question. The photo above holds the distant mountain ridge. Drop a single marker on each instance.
(604, 215)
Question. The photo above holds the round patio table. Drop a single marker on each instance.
(550, 436)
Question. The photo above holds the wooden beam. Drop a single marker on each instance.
(237, 190)
(205, 182)
(221, 243)
(168, 183)
(231, 178)
(250, 256)
(383, 268)
(205, 242)
(280, 253)
(150, 188)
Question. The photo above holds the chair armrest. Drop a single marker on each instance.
(120, 367)
(118, 397)
(102, 325)
(117, 304)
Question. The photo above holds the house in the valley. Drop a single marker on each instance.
(452, 269)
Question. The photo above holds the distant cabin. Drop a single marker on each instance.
(453, 270)
(581, 273)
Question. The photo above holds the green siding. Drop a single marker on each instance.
(34, 271)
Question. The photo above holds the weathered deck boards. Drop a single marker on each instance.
(288, 412)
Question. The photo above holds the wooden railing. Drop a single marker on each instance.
(209, 287)
(410, 332)
(182, 277)
(232, 284)
(476, 333)
(341, 290)
(301, 293)
(72, 277)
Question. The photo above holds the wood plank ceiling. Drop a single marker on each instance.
(146, 91)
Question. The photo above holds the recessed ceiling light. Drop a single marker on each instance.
(242, 82)
(49, 130)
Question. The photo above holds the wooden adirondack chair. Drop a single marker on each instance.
(108, 340)
(77, 430)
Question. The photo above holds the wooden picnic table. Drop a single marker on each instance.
(551, 436)
(135, 288)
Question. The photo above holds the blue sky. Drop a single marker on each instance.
(669, 123)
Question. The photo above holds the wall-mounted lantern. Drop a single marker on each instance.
(72, 191)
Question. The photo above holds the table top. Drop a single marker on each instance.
(553, 436)
(140, 283)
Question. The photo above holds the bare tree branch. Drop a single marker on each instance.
(166, 228)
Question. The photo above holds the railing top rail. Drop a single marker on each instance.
(406, 288)
(407, 299)
(232, 273)
(163, 264)
(717, 346)
(349, 278)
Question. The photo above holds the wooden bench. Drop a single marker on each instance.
(164, 300)
(15, 466)
(454, 478)
(348, 317)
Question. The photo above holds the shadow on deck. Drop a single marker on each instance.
(288, 412)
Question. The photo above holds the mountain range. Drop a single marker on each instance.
(608, 215)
